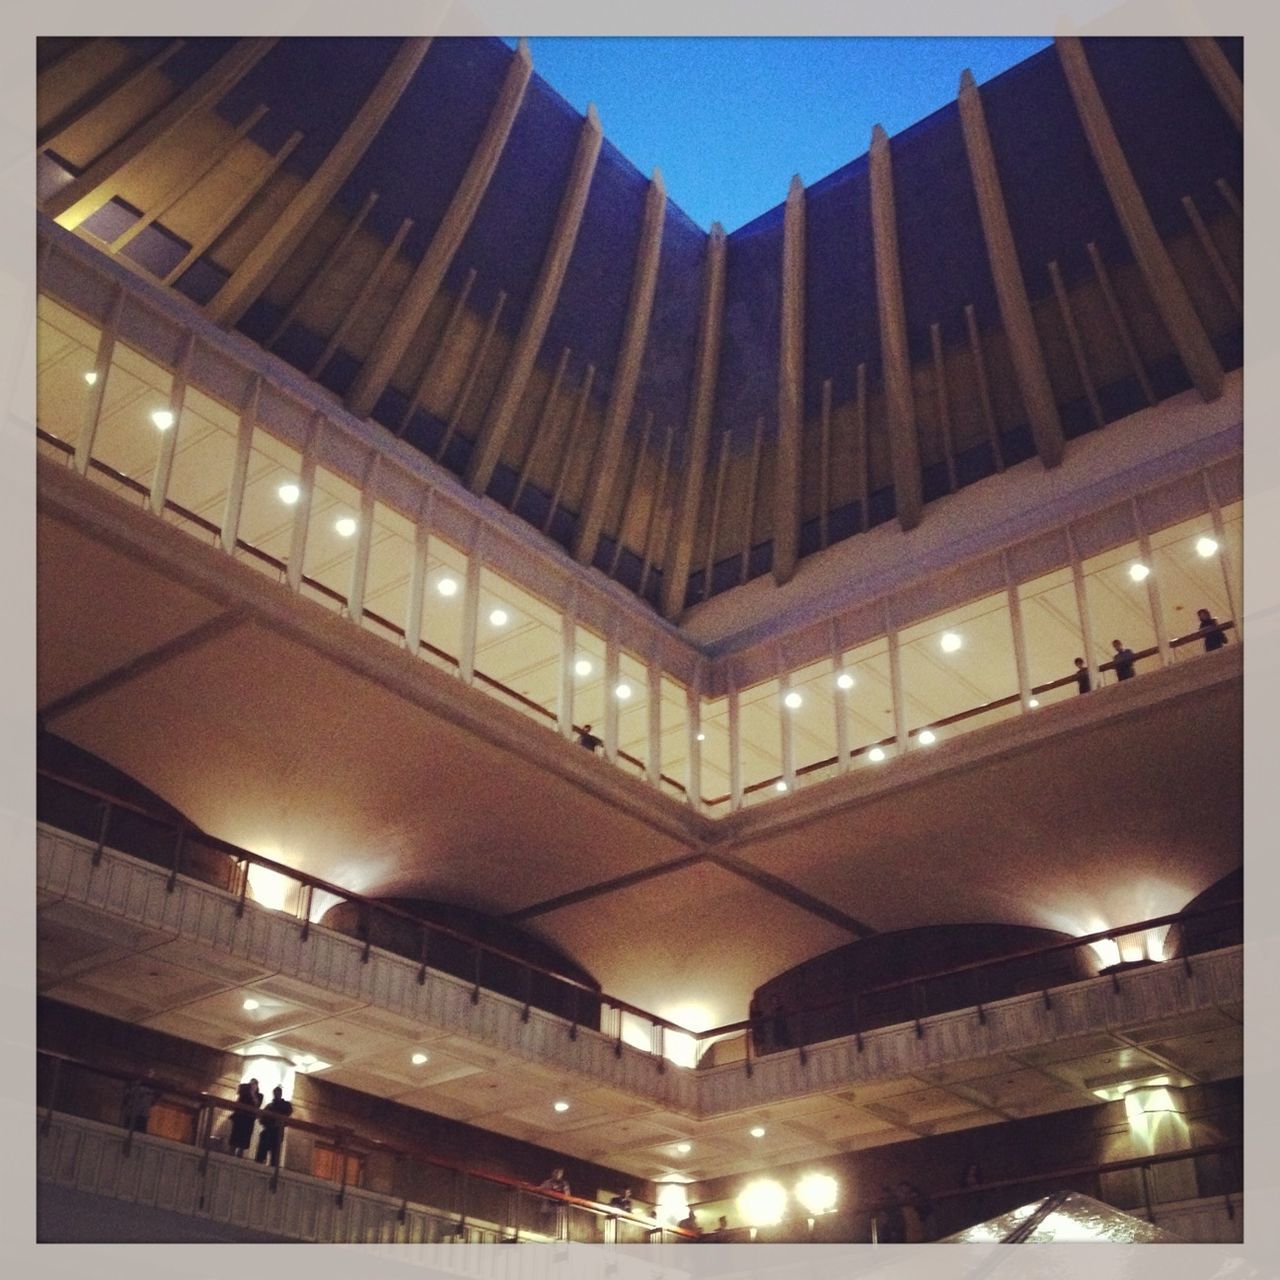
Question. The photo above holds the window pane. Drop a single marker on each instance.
(66, 348)
(633, 713)
(331, 538)
(675, 738)
(868, 702)
(128, 437)
(386, 588)
(518, 645)
(760, 727)
(203, 460)
(813, 723)
(588, 681)
(442, 597)
(270, 495)
(713, 718)
(1187, 565)
(1054, 638)
(1119, 607)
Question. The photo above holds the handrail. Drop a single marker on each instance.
(747, 1024)
(342, 1137)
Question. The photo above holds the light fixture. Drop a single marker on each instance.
(683, 1148)
(1205, 547)
(163, 418)
(950, 641)
(583, 667)
(844, 681)
(702, 737)
(876, 754)
(817, 1192)
(91, 377)
(499, 618)
(251, 1004)
(622, 692)
(288, 493)
(561, 1105)
(447, 586)
(1138, 572)
(345, 526)
(1033, 702)
(928, 737)
(793, 700)
(758, 1131)
(780, 785)
(762, 1203)
(418, 1059)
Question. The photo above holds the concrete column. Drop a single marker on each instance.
(471, 609)
(169, 437)
(1019, 634)
(364, 543)
(653, 769)
(1221, 75)
(900, 726)
(611, 709)
(1082, 607)
(568, 656)
(1152, 581)
(735, 747)
(240, 467)
(787, 734)
(418, 575)
(302, 510)
(787, 475)
(693, 718)
(98, 388)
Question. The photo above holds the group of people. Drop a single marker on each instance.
(1214, 634)
(271, 1117)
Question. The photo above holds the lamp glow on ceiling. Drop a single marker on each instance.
(928, 737)
(289, 493)
(950, 641)
(793, 700)
(876, 754)
(251, 1004)
(583, 667)
(762, 1203)
(91, 377)
(1206, 547)
(447, 586)
(163, 418)
(684, 1148)
(560, 1106)
(844, 681)
(758, 1131)
(418, 1059)
(780, 785)
(622, 692)
(817, 1192)
(345, 526)
(499, 618)
(1139, 572)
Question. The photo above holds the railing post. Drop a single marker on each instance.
(308, 897)
(662, 1049)
(422, 956)
(244, 886)
(573, 1025)
(53, 1096)
(177, 859)
(528, 994)
(1146, 1194)
(103, 822)
(750, 1047)
(342, 1172)
(363, 930)
(475, 990)
(857, 1020)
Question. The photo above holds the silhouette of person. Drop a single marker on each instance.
(589, 740)
(553, 1209)
(272, 1130)
(622, 1201)
(1083, 682)
(690, 1224)
(242, 1123)
(1123, 661)
(139, 1098)
(1214, 639)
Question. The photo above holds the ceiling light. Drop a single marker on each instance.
(1138, 572)
(289, 493)
(844, 681)
(560, 1106)
(793, 700)
(250, 1004)
(702, 737)
(583, 667)
(91, 377)
(928, 737)
(1205, 546)
(1033, 702)
(345, 526)
(418, 1058)
(817, 1192)
(780, 785)
(876, 754)
(758, 1131)
(163, 418)
(684, 1148)
(623, 692)
(950, 641)
(447, 586)
(499, 618)
(762, 1203)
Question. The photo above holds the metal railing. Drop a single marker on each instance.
(525, 1210)
(184, 849)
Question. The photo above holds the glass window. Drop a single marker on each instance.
(442, 595)
(814, 751)
(270, 498)
(713, 721)
(66, 350)
(955, 666)
(760, 729)
(331, 539)
(135, 410)
(588, 681)
(518, 645)
(632, 693)
(1119, 606)
(1233, 529)
(1053, 634)
(391, 560)
(1187, 565)
(867, 701)
(203, 461)
(675, 738)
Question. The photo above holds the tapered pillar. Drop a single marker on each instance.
(1221, 75)
(904, 446)
(675, 578)
(1006, 272)
(786, 484)
(1163, 283)
(413, 303)
(515, 376)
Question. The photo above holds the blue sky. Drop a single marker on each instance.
(730, 119)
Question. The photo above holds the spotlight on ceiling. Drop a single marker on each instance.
(684, 1148)
(583, 667)
(817, 1192)
(762, 1203)
(499, 618)
(345, 526)
(447, 586)
(780, 785)
(163, 418)
(928, 737)
(91, 377)
(1139, 572)
(793, 700)
(758, 1131)
(702, 737)
(1206, 547)
(288, 493)
(561, 1105)
(844, 681)
(622, 692)
(1033, 702)
(876, 754)
(251, 1004)
(950, 641)
(418, 1059)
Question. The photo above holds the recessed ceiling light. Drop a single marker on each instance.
(950, 641)
(91, 377)
(163, 418)
(1138, 572)
(928, 737)
(499, 618)
(844, 681)
(418, 1058)
(447, 586)
(345, 526)
(876, 754)
(583, 667)
(758, 1131)
(1033, 702)
(793, 700)
(684, 1148)
(250, 1004)
(1205, 546)
(289, 493)
(560, 1106)
(623, 691)
(702, 737)
(780, 785)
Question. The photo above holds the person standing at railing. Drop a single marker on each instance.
(1123, 661)
(622, 1202)
(242, 1122)
(555, 1211)
(1214, 639)
(139, 1098)
(272, 1129)
(1083, 680)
